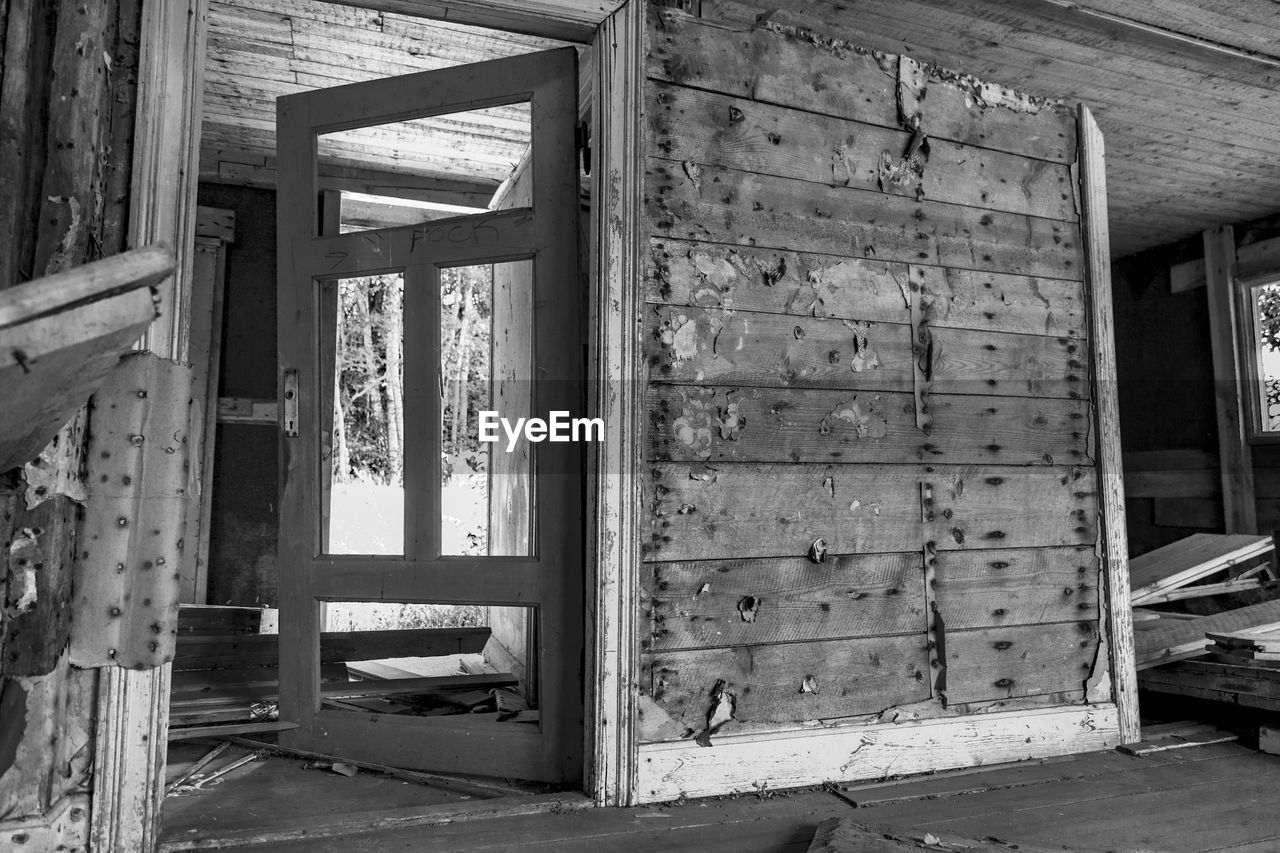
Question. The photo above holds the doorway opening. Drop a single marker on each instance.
(413, 651)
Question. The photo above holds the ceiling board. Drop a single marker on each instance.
(1191, 126)
(259, 50)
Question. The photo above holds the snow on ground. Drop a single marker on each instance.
(368, 518)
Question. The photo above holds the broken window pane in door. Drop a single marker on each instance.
(362, 443)
(394, 173)
(428, 659)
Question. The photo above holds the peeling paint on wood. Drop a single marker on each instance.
(802, 425)
(129, 560)
(778, 510)
(742, 208)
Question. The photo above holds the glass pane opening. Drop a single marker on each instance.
(429, 660)
(486, 483)
(417, 170)
(362, 444)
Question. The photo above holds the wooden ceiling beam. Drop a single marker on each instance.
(441, 189)
(573, 22)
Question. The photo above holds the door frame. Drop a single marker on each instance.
(132, 710)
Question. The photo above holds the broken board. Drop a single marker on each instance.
(1188, 560)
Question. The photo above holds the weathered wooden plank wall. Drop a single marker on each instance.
(67, 95)
(871, 477)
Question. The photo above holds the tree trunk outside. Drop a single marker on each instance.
(393, 312)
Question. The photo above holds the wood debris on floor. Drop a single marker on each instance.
(226, 674)
(1162, 738)
(845, 835)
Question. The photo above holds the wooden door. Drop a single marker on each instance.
(541, 570)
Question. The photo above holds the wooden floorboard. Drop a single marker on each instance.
(1215, 798)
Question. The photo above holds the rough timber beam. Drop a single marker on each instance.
(569, 21)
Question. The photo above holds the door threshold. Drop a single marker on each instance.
(372, 821)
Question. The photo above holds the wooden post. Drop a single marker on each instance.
(133, 705)
(1113, 535)
(1235, 455)
(617, 388)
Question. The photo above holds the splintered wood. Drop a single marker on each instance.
(872, 484)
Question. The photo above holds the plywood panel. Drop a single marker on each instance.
(689, 423)
(724, 603)
(726, 206)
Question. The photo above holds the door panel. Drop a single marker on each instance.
(399, 552)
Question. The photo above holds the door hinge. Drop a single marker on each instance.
(582, 139)
(289, 403)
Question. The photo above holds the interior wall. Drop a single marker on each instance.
(1167, 410)
(246, 468)
(871, 488)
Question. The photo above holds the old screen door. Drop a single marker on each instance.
(524, 574)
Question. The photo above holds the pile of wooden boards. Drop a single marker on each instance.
(1247, 648)
(1232, 656)
(226, 674)
(1199, 566)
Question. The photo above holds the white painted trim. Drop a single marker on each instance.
(162, 194)
(618, 391)
(758, 761)
(133, 705)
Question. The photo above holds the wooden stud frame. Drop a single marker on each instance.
(618, 386)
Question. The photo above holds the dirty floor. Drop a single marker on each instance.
(1221, 797)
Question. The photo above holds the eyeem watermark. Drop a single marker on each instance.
(559, 427)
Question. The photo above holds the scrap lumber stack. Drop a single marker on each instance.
(1232, 656)
(1260, 646)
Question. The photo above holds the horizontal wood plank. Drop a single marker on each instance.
(755, 761)
(797, 71)
(721, 603)
(726, 206)
(688, 423)
(686, 344)
(850, 677)
(702, 511)
(965, 299)
(738, 133)
(1027, 660)
(976, 589)
(777, 281)
(684, 272)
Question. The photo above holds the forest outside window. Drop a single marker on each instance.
(1261, 316)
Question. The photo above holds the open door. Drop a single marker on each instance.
(392, 696)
